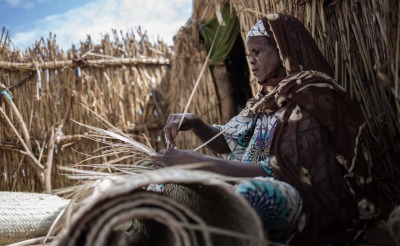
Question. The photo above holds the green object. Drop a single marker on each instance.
(226, 35)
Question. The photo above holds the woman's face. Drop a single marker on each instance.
(264, 60)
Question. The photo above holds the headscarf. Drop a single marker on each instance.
(257, 30)
(316, 146)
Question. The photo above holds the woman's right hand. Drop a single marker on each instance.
(171, 127)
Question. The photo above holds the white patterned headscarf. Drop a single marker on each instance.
(257, 30)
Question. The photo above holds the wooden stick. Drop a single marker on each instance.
(39, 168)
(49, 162)
(90, 63)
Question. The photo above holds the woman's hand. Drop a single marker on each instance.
(171, 128)
(202, 130)
(172, 157)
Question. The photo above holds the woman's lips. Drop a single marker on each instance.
(255, 72)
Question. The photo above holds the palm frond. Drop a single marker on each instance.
(141, 147)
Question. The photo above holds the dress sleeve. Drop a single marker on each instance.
(268, 169)
(237, 133)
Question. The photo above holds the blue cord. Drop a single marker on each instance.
(5, 93)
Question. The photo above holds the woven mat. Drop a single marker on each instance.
(27, 215)
(194, 209)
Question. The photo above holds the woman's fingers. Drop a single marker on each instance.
(171, 157)
(163, 158)
(168, 136)
(171, 127)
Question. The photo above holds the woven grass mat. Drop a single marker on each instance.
(194, 209)
(26, 215)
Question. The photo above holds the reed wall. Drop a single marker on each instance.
(119, 79)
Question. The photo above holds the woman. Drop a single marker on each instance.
(301, 133)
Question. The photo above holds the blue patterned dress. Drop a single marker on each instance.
(278, 204)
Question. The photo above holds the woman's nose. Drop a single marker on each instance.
(252, 60)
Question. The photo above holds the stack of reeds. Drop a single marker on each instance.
(360, 39)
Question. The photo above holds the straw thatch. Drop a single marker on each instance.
(360, 39)
(43, 87)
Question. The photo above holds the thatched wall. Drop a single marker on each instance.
(361, 40)
(119, 79)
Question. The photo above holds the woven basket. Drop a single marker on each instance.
(194, 209)
(27, 215)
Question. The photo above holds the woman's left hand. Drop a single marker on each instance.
(172, 157)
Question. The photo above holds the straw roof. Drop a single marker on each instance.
(360, 39)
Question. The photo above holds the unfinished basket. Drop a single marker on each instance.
(194, 209)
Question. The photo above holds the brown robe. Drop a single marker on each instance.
(316, 146)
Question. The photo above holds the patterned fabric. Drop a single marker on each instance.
(316, 143)
(277, 203)
(257, 30)
(249, 138)
(156, 187)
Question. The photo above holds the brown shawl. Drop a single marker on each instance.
(316, 145)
